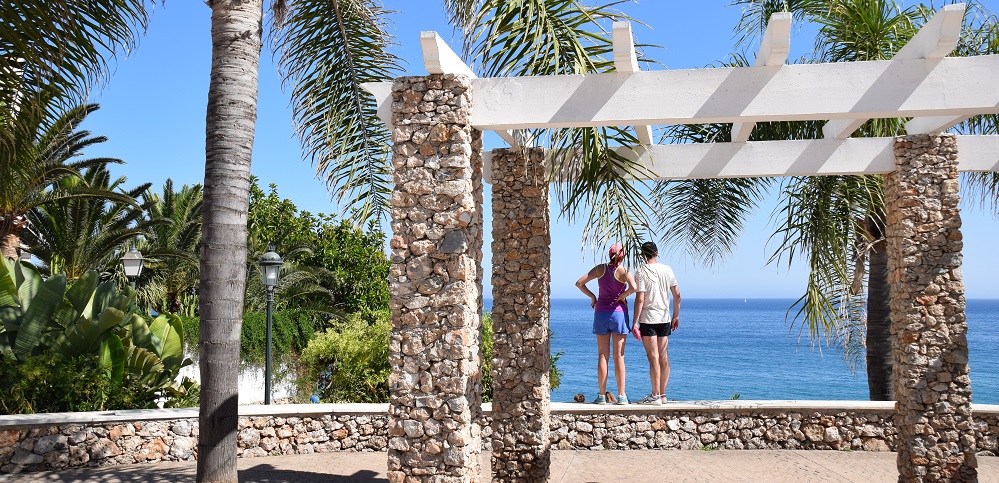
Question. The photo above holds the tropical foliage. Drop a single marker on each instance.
(31, 162)
(75, 234)
(91, 326)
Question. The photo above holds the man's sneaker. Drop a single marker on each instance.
(650, 399)
(622, 399)
(600, 399)
(662, 399)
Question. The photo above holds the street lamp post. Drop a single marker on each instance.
(132, 262)
(270, 271)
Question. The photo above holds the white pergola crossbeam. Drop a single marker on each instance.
(932, 125)
(849, 90)
(774, 49)
(815, 157)
(937, 38)
(626, 62)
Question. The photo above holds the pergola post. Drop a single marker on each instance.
(435, 283)
(521, 289)
(929, 345)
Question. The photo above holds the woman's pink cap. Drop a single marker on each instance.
(615, 249)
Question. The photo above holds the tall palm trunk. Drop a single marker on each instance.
(11, 227)
(232, 112)
(879, 363)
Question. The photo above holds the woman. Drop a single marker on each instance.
(610, 317)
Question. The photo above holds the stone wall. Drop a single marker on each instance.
(929, 328)
(434, 279)
(521, 290)
(45, 444)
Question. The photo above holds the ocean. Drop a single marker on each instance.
(746, 348)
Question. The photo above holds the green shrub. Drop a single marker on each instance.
(51, 383)
(349, 361)
(290, 333)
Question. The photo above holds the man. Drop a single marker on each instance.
(654, 283)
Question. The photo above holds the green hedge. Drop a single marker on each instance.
(50, 383)
(290, 333)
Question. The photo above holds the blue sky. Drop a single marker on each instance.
(153, 112)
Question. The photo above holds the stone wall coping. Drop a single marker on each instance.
(314, 410)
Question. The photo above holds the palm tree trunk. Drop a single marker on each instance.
(11, 227)
(879, 363)
(232, 112)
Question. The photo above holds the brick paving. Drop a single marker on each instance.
(567, 467)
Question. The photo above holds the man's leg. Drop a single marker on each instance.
(603, 353)
(663, 343)
(619, 340)
(652, 352)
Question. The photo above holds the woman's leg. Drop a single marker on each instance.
(663, 343)
(619, 340)
(652, 352)
(603, 353)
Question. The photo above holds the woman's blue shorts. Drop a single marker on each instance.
(611, 322)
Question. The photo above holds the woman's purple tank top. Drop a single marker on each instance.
(609, 289)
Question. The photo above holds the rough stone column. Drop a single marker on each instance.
(521, 290)
(928, 326)
(435, 385)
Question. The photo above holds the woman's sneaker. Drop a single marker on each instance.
(622, 399)
(600, 399)
(651, 399)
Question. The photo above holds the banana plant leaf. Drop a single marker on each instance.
(29, 282)
(144, 365)
(112, 358)
(102, 299)
(139, 331)
(37, 316)
(85, 335)
(168, 340)
(81, 294)
(8, 284)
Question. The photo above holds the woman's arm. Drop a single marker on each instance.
(593, 274)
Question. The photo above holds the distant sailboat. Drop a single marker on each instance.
(745, 300)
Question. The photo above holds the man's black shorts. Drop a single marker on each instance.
(655, 330)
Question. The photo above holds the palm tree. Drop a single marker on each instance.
(36, 163)
(836, 223)
(74, 235)
(169, 281)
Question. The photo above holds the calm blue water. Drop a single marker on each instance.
(729, 346)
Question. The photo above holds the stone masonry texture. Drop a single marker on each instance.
(129, 442)
(82, 444)
(521, 281)
(434, 350)
(936, 439)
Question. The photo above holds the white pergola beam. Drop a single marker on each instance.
(774, 49)
(932, 125)
(438, 58)
(816, 157)
(850, 90)
(937, 38)
(626, 62)
(383, 97)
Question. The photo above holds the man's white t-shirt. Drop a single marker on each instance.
(655, 279)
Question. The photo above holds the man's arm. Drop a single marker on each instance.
(676, 306)
(639, 304)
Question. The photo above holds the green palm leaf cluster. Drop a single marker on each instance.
(77, 234)
(326, 50)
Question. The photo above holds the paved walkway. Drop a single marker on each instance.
(567, 467)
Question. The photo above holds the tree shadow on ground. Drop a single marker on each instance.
(262, 473)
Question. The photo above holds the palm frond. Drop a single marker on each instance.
(326, 50)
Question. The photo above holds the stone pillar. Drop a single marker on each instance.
(435, 385)
(928, 326)
(521, 290)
